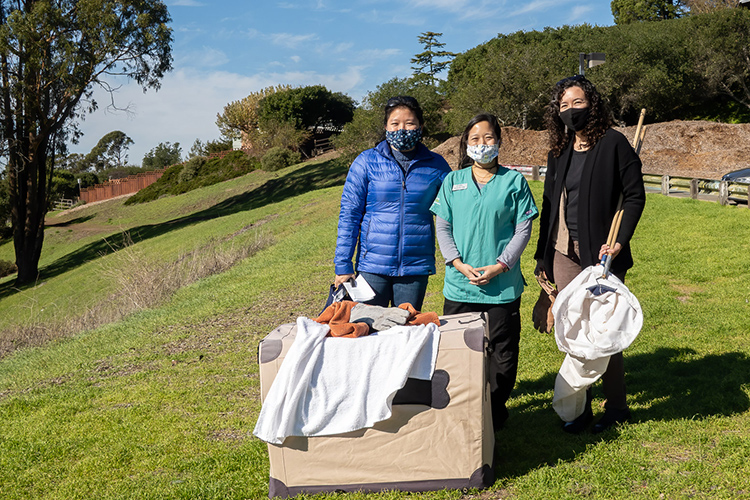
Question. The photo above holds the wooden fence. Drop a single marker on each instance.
(118, 187)
(723, 192)
(64, 204)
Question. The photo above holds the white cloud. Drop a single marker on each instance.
(449, 5)
(579, 13)
(379, 54)
(206, 57)
(185, 3)
(186, 106)
(540, 6)
(296, 59)
(291, 41)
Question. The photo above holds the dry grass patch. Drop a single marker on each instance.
(686, 291)
(140, 284)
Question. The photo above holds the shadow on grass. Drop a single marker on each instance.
(667, 384)
(305, 179)
(77, 220)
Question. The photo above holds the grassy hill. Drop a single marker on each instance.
(161, 401)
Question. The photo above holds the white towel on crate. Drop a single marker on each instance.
(329, 385)
(589, 328)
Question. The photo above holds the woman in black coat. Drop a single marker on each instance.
(590, 165)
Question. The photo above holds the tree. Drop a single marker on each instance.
(630, 11)
(704, 6)
(52, 54)
(162, 156)
(273, 134)
(74, 162)
(218, 146)
(366, 128)
(4, 204)
(308, 107)
(510, 75)
(109, 152)
(427, 60)
(241, 117)
(199, 148)
(722, 53)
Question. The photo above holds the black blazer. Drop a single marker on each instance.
(611, 167)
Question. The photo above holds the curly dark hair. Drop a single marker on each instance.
(600, 118)
(463, 158)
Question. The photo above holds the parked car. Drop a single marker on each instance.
(740, 176)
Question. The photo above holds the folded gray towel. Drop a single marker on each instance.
(378, 318)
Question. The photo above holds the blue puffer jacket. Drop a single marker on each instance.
(388, 212)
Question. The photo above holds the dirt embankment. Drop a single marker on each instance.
(705, 150)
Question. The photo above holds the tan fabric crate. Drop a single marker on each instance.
(439, 436)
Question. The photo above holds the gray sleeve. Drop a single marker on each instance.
(515, 246)
(444, 231)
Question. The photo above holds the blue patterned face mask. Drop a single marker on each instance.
(403, 139)
(483, 153)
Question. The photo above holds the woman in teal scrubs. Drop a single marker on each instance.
(483, 218)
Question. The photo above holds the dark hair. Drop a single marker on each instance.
(403, 101)
(463, 158)
(600, 118)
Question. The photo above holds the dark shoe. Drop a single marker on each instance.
(610, 418)
(580, 423)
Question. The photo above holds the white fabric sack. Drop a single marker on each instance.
(590, 326)
(329, 385)
(575, 376)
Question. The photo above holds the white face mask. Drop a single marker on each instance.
(483, 153)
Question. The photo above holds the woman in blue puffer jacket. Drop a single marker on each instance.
(385, 210)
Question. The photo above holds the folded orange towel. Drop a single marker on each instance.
(418, 318)
(336, 316)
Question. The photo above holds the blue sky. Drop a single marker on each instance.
(224, 50)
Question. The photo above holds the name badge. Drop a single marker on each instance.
(459, 187)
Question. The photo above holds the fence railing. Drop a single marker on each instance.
(64, 204)
(698, 189)
(321, 146)
(118, 187)
(723, 192)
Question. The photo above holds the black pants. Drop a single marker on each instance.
(504, 324)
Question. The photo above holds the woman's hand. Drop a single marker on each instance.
(539, 269)
(607, 250)
(465, 269)
(487, 273)
(478, 276)
(342, 278)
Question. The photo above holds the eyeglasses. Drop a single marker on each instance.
(574, 78)
(401, 100)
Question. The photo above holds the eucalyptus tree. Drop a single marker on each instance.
(111, 151)
(53, 54)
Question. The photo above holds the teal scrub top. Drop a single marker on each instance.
(483, 224)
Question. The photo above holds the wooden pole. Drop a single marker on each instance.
(640, 132)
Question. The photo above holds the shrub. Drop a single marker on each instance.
(190, 169)
(278, 158)
(7, 267)
(200, 172)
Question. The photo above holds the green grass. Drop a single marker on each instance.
(162, 404)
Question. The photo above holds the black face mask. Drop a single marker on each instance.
(575, 118)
